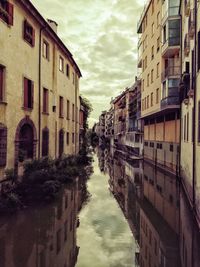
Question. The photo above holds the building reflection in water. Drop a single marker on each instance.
(156, 211)
(44, 236)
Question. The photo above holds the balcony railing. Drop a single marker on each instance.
(170, 101)
(171, 71)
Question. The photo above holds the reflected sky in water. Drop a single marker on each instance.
(104, 236)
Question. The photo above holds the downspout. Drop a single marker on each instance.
(194, 109)
(75, 112)
(39, 87)
(181, 70)
(194, 132)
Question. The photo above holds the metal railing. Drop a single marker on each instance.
(169, 101)
(171, 71)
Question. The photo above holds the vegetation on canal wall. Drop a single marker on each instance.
(42, 180)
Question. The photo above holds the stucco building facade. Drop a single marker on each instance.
(39, 88)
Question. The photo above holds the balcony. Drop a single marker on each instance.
(171, 47)
(191, 26)
(170, 101)
(172, 71)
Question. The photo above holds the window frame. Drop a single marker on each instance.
(29, 37)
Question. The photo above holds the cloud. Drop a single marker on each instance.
(102, 221)
(102, 37)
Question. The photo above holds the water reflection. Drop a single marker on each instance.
(43, 236)
(136, 216)
(156, 210)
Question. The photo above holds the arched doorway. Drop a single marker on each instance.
(25, 140)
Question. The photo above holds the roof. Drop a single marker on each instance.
(30, 8)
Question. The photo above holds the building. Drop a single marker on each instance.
(39, 99)
(159, 60)
(134, 125)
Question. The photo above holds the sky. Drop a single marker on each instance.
(102, 36)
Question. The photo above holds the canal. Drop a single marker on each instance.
(128, 214)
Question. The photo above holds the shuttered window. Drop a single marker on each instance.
(6, 12)
(68, 107)
(3, 145)
(67, 138)
(45, 142)
(61, 142)
(1, 83)
(61, 112)
(28, 93)
(29, 33)
(45, 100)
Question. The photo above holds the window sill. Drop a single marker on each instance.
(45, 113)
(3, 103)
(61, 117)
(27, 109)
(26, 41)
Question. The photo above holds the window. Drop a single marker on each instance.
(184, 128)
(158, 19)
(2, 95)
(61, 113)
(145, 62)
(65, 231)
(164, 35)
(152, 52)
(72, 138)
(187, 126)
(199, 122)
(152, 7)
(73, 78)
(28, 93)
(157, 69)
(45, 142)
(6, 12)
(152, 29)
(29, 33)
(3, 145)
(148, 79)
(68, 106)
(147, 101)
(198, 60)
(58, 241)
(73, 115)
(157, 95)
(61, 142)
(151, 76)
(45, 49)
(45, 100)
(67, 138)
(61, 64)
(158, 44)
(68, 70)
(151, 99)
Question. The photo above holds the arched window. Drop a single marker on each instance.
(61, 142)
(45, 142)
(3, 145)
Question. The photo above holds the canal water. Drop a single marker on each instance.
(128, 214)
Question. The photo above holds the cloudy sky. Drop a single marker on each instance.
(101, 35)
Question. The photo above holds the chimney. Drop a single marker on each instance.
(53, 25)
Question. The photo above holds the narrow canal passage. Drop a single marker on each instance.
(135, 216)
(104, 236)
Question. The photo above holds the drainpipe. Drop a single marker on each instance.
(39, 87)
(194, 109)
(181, 70)
(75, 135)
(194, 130)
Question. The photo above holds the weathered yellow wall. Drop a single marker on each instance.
(22, 60)
(159, 131)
